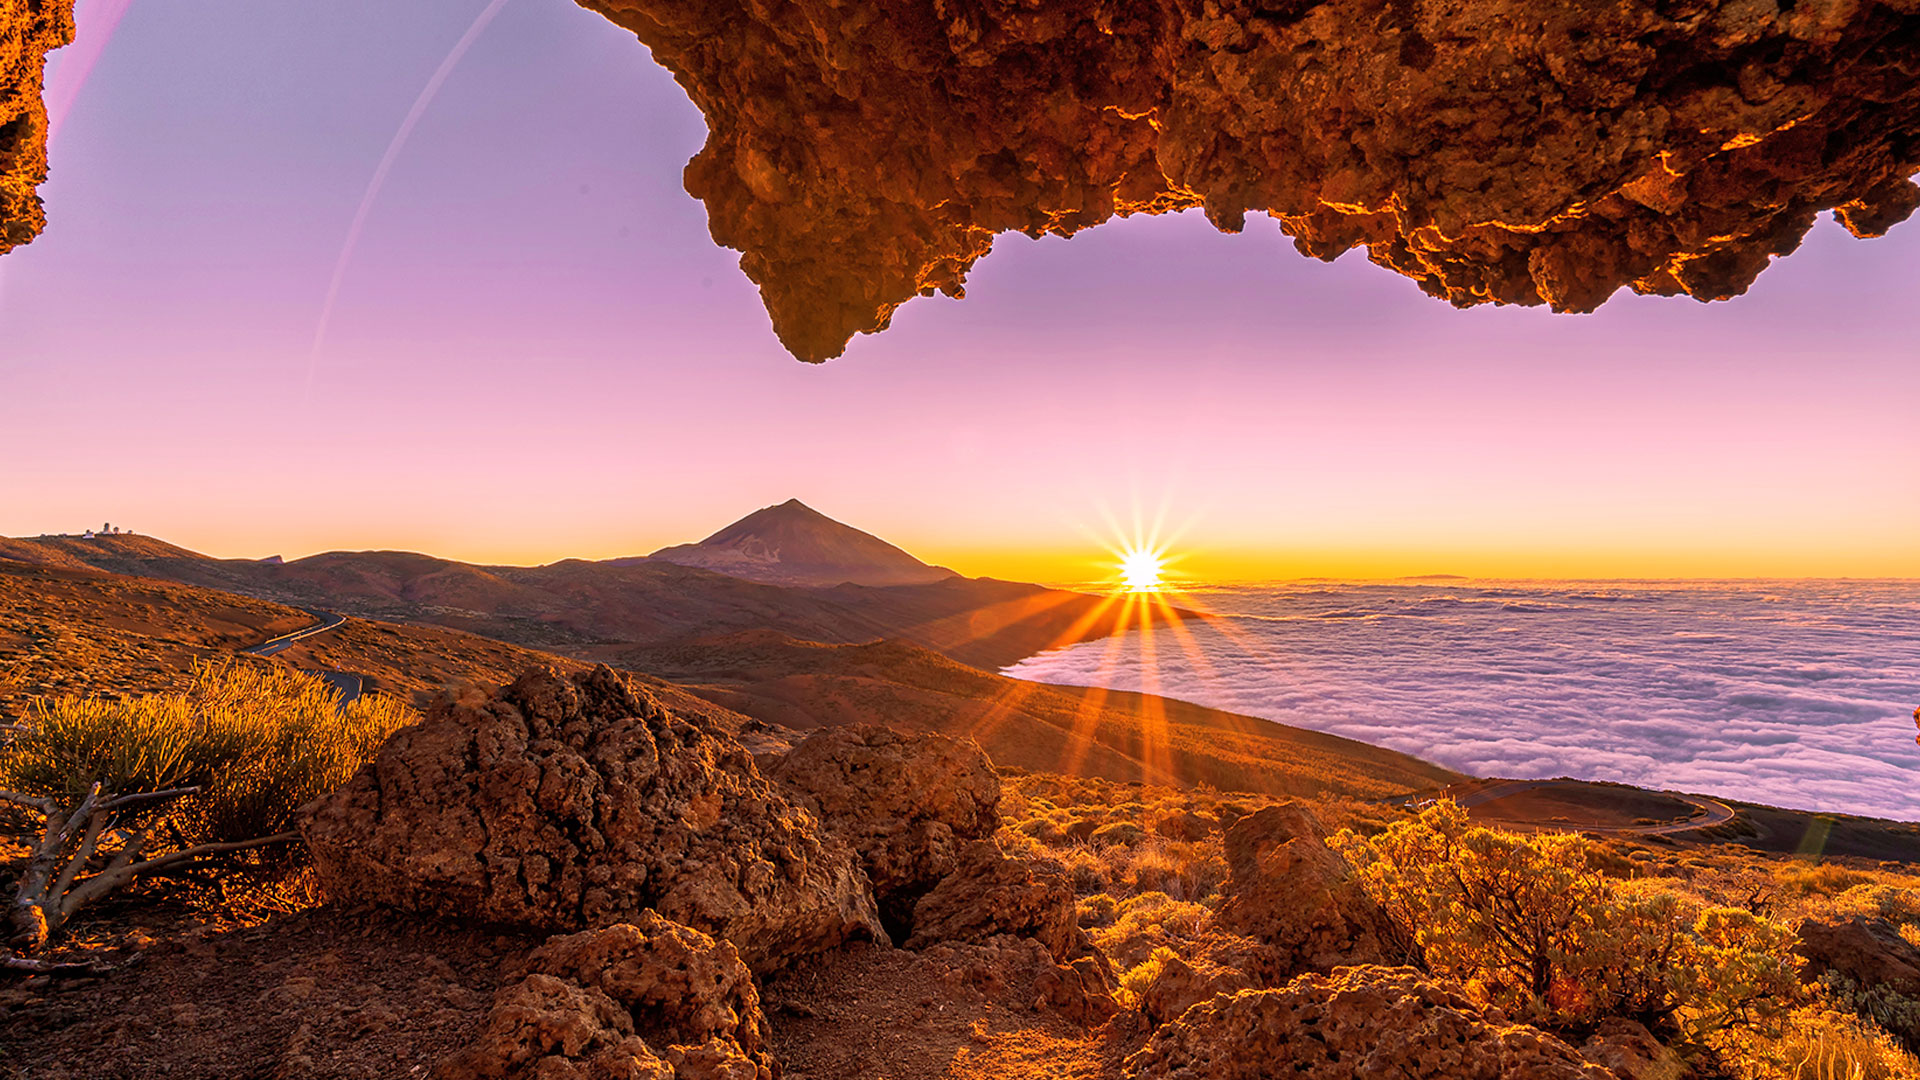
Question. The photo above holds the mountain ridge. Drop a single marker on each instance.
(791, 543)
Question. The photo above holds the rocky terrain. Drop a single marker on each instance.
(1500, 151)
(29, 29)
(564, 878)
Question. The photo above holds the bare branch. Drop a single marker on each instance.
(46, 806)
(83, 855)
(119, 801)
(31, 966)
(124, 870)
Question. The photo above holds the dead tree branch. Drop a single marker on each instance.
(59, 877)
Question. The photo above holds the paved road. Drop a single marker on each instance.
(347, 684)
(1707, 812)
(327, 621)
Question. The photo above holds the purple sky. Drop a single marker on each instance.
(538, 352)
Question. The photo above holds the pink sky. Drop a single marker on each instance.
(537, 351)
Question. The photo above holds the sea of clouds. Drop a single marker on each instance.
(1797, 694)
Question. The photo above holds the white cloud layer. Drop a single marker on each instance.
(1797, 694)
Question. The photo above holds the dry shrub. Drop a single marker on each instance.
(1148, 921)
(1097, 910)
(1530, 922)
(1184, 871)
(202, 786)
(1136, 980)
(258, 740)
(1089, 872)
(1824, 879)
(1817, 1043)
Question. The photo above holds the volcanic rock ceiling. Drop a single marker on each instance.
(29, 29)
(863, 152)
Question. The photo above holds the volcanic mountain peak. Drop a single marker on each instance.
(794, 544)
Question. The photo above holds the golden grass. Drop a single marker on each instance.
(258, 740)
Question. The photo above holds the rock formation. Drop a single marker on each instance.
(1180, 985)
(990, 894)
(1290, 891)
(1866, 951)
(1358, 1022)
(1506, 151)
(564, 804)
(907, 803)
(650, 1001)
(29, 29)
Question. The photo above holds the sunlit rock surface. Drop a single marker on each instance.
(865, 151)
(29, 29)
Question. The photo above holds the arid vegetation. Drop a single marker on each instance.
(167, 784)
(1052, 925)
(1572, 933)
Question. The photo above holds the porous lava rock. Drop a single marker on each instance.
(906, 802)
(1359, 1022)
(1179, 985)
(652, 999)
(1864, 955)
(1288, 890)
(1627, 1049)
(1508, 151)
(561, 804)
(1868, 951)
(990, 894)
(29, 29)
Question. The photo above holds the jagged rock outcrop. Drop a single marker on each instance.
(652, 1000)
(906, 802)
(1628, 1050)
(1290, 891)
(29, 29)
(990, 894)
(1507, 151)
(1180, 985)
(1359, 1022)
(567, 803)
(1865, 951)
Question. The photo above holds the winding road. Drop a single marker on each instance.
(1707, 812)
(346, 683)
(328, 620)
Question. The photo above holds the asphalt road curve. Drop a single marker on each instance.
(1707, 812)
(327, 621)
(347, 684)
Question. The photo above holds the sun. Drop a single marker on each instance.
(1141, 570)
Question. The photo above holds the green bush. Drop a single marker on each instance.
(258, 740)
(1532, 923)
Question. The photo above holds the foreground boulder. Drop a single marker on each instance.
(991, 894)
(1865, 960)
(1356, 1024)
(1287, 889)
(567, 803)
(1865, 951)
(649, 1001)
(907, 803)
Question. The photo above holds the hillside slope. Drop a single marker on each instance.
(576, 606)
(1031, 726)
